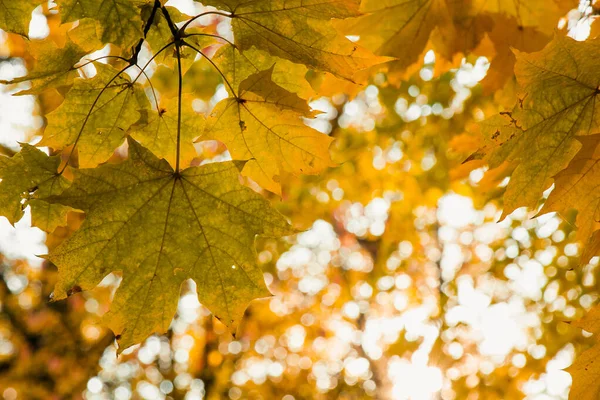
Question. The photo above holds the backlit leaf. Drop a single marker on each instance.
(28, 178)
(237, 66)
(160, 228)
(264, 125)
(96, 114)
(576, 187)
(54, 66)
(273, 26)
(16, 15)
(586, 368)
(157, 130)
(119, 21)
(559, 91)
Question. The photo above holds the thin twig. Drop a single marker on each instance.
(186, 35)
(182, 29)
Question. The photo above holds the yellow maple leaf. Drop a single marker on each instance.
(118, 21)
(54, 66)
(273, 26)
(96, 115)
(576, 187)
(263, 124)
(559, 96)
(586, 368)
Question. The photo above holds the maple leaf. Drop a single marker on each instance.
(274, 26)
(28, 178)
(159, 228)
(506, 35)
(238, 66)
(16, 15)
(559, 102)
(96, 115)
(269, 131)
(84, 34)
(498, 133)
(157, 130)
(404, 27)
(586, 368)
(576, 187)
(160, 39)
(54, 66)
(543, 14)
(118, 21)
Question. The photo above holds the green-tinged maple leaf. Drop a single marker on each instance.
(54, 66)
(264, 125)
(237, 66)
(299, 31)
(499, 134)
(96, 114)
(28, 178)
(576, 187)
(15, 15)
(160, 36)
(160, 228)
(118, 21)
(85, 35)
(560, 89)
(405, 27)
(157, 130)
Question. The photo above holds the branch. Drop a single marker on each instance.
(138, 47)
(182, 29)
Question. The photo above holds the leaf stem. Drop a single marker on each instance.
(87, 117)
(166, 46)
(186, 35)
(179, 96)
(182, 29)
(170, 22)
(87, 62)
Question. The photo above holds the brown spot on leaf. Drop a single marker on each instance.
(73, 290)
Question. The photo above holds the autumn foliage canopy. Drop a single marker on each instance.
(175, 144)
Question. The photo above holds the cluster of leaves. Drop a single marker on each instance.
(154, 217)
(167, 214)
(319, 283)
(551, 136)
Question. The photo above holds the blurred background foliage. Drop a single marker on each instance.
(401, 285)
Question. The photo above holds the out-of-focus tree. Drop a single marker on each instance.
(49, 350)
